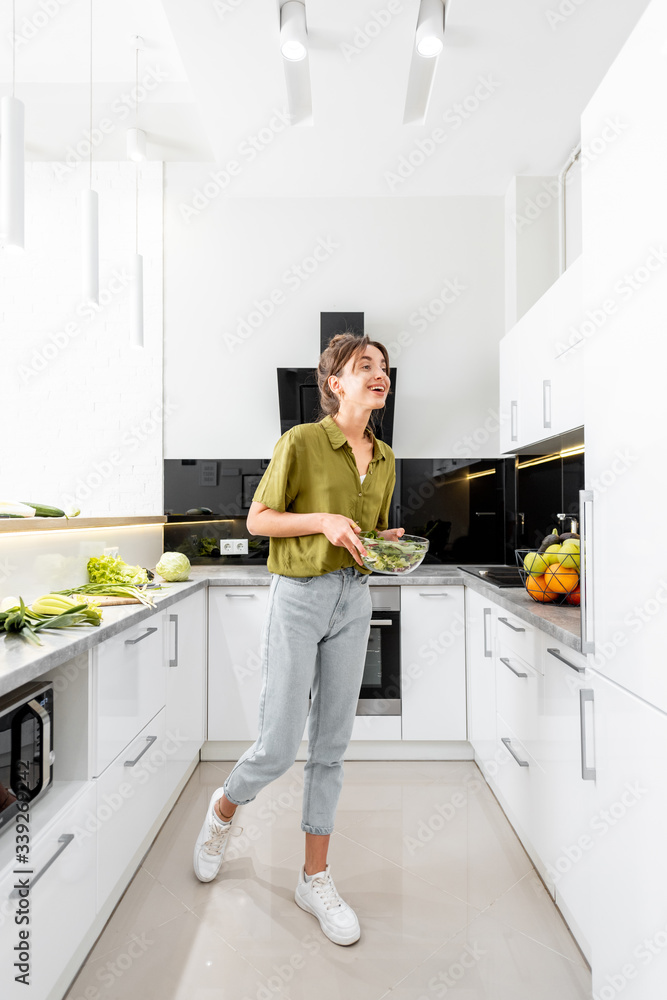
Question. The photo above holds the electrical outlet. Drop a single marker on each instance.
(112, 551)
(241, 546)
(226, 546)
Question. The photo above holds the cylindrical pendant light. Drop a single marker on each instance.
(430, 28)
(90, 230)
(136, 145)
(12, 162)
(293, 33)
(137, 297)
(91, 247)
(137, 317)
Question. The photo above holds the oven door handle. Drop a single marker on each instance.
(381, 621)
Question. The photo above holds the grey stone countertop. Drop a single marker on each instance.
(21, 662)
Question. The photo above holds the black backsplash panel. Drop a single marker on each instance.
(545, 490)
(464, 507)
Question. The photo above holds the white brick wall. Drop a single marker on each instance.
(80, 408)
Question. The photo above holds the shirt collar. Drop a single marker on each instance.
(337, 439)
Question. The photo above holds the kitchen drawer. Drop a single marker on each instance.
(520, 638)
(553, 653)
(130, 795)
(519, 785)
(129, 688)
(62, 899)
(519, 693)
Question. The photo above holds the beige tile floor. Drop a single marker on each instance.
(449, 902)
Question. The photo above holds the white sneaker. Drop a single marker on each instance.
(319, 897)
(211, 842)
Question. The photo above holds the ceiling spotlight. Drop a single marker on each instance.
(293, 33)
(430, 28)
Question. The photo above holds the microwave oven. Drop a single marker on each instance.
(26, 748)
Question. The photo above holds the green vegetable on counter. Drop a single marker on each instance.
(108, 569)
(27, 622)
(112, 590)
(173, 566)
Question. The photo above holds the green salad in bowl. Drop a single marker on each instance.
(393, 557)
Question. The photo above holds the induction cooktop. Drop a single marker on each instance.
(499, 576)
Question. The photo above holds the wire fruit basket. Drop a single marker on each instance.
(557, 584)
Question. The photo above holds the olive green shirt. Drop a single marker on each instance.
(314, 470)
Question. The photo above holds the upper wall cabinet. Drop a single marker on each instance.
(541, 366)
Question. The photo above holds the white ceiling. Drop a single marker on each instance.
(220, 79)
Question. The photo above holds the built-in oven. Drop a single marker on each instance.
(26, 748)
(381, 683)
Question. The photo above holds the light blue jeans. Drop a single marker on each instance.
(314, 639)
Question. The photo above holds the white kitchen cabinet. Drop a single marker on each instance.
(624, 199)
(433, 685)
(629, 859)
(129, 687)
(130, 794)
(61, 900)
(562, 745)
(186, 680)
(236, 618)
(481, 677)
(511, 412)
(542, 366)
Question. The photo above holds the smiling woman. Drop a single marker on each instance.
(326, 483)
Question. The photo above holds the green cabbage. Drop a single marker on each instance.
(108, 569)
(173, 566)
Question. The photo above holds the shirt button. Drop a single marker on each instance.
(360, 494)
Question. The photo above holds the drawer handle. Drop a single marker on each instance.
(509, 625)
(434, 595)
(519, 673)
(248, 597)
(508, 743)
(174, 619)
(150, 740)
(149, 631)
(487, 615)
(64, 842)
(381, 621)
(556, 653)
(585, 694)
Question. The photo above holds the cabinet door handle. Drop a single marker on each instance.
(509, 625)
(587, 567)
(150, 740)
(508, 743)
(546, 402)
(487, 617)
(174, 619)
(557, 654)
(434, 595)
(514, 430)
(248, 597)
(64, 842)
(381, 621)
(585, 695)
(519, 673)
(149, 631)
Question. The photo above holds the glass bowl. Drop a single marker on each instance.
(394, 558)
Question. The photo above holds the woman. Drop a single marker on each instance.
(326, 483)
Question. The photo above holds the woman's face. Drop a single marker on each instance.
(364, 380)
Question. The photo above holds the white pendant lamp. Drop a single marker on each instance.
(12, 162)
(90, 242)
(136, 145)
(293, 33)
(430, 28)
(137, 297)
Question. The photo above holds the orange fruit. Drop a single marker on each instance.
(537, 588)
(561, 579)
(574, 597)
